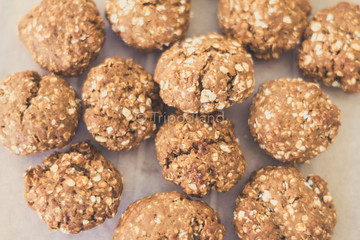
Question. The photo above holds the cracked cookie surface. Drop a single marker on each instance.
(171, 216)
(149, 24)
(279, 203)
(266, 27)
(63, 36)
(200, 153)
(330, 52)
(204, 74)
(121, 101)
(293, 120)
(37, 113)
(74, 191)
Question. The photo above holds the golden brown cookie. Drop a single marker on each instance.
(171, 216)
(149, 25)
(293, 120)
(200, 153)
(74, 191)
(279, 203)
(266, 27)
(122, 102)
(63, 36)
(330, 52)
(37, 113)
(204, 74)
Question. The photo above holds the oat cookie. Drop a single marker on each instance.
(63, 36)
(330, 52)
(204, 74)
(74, 191)
(200, 153)
(266, 27)
(37, 113)
(171, 216)
(149, 24)
(293, 120)
(121, 100)
(279, 203)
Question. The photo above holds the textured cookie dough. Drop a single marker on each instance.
(37, 113)
(171, 216)
(204, 74)
(74, 191)
(293, 120)
(266, 27)
(63, 36)
(279, 203)
(149, 24)
(200, 153)
(122, 102)
(330, 52)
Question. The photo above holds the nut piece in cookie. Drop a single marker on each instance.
(74, 191)
(330, 52)
(149, 25)
(171, 216)
(293, 120)
(266, 27)
(63, 36)
(204, 74)
(37, 113)
(279, 203)
(121, 100)
(200, 153)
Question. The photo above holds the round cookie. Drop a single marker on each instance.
(37, 113)
(74, 191)
(63, 36)
(266, 27)
(169, 215)
(204, 74)
(330, 52)
(279, 203)
(122, 101)
(293, 120)
(149, 25)
(200, 153)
